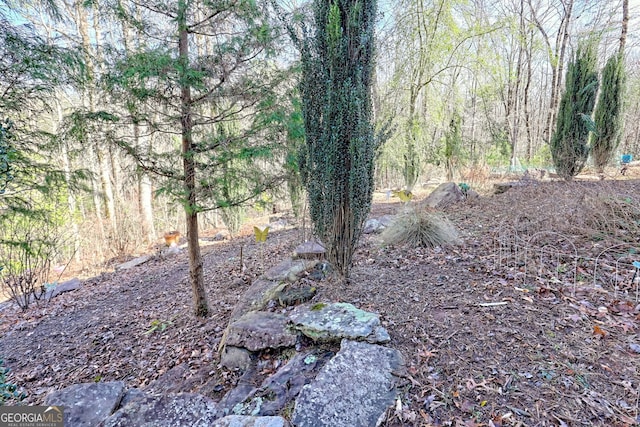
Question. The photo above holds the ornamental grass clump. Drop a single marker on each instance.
(419, 227)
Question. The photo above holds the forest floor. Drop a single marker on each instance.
(489, 338)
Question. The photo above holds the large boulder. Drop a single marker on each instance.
(354, 389)
(85, 405)
(444, 195)
(333, 322)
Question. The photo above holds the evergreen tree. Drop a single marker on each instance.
(211, 72)
(32, 221)
(30, 70)
(608, 114)
(569, 144)
(338, 161)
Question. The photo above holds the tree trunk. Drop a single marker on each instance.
(145, 188)
(71, 198)
(107, 188)
(625, 24)
(145, 199)
(558, 70)
(103, 166)
(527, 112)
(190, 206)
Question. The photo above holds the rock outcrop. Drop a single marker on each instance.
(333, 322)
(355, 388)
(333, 372)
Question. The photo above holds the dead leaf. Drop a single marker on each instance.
(597, 330)
(427, 354)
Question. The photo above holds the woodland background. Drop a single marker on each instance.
(93, 103)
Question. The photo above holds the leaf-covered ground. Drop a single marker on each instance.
(483, 345)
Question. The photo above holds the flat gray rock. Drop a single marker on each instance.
(246, 421)
(309, 250)
(372, 226)
(68, 286)
(289, 269)
(259, 330)
(177, 410)
(353, 389)
(333, 322)
(133, 263)
(85, 405)
(256, 297)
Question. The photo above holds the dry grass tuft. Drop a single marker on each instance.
(605, 211)
(419, 227)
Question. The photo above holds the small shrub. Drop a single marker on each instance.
(419, 227)
(30, 242)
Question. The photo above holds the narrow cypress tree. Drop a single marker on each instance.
(569, 144)
(337, 162)
(608, 115)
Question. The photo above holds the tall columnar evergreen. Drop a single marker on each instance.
(608, 115)
(337, 162)
(569, 144)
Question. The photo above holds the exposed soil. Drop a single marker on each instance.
(482, 345)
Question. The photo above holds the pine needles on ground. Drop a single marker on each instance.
(419, 227)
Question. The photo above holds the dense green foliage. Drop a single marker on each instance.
(30, 70)
(31, 185)
(608, 114)
(229, 104)
(569, 144)
(338, 160)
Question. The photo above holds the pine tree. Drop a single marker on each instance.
(338, 161)
(569, 144)
(608, 114)
(212, 71)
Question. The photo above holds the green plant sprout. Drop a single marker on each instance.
(159, 325)
(8, 390)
